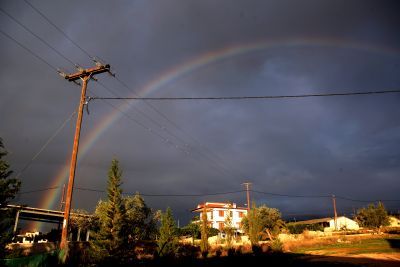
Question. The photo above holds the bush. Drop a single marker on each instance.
(300, 228)
(277, 245)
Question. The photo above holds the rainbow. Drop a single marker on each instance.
(179, 71)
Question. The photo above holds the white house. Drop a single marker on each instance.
(342, 223)
(218, 212)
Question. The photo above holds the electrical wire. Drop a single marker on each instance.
(212, 194)
(286, 195)
(323, 196)
(48, 141)
(165, 195)
(250, 97)
(83, 50)
(148, 104)
(28, 50)
(37, 190)
(58, 28)
(37, 36)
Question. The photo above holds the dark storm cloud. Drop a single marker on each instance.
(344, 146)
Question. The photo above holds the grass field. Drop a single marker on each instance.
(357, 246)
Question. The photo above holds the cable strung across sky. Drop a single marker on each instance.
(216, 194)
(249, 97)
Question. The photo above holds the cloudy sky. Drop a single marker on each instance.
(347, 146)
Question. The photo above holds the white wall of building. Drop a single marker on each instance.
(342, 223)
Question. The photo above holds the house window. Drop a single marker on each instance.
(231, 214)
(211, 215)
(220, 226)
(240, 214)
(221, 213)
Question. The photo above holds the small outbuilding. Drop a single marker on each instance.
(394, 222)
(329, 224)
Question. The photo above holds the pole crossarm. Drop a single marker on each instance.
(87, 72)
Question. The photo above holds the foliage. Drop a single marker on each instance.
(229, 229)
(141, 220)
(167, 242)
(192, 229)
(252, 225)
(111, 237)
(119, 222)
(204, 246)
(9, 188)
(373, 216)
(212, 231)
(277, 245)
(262, 219)
(299, 228)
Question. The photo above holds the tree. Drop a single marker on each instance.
(262, 220)
(229, 229)
(271, 220)
(252, 226)
(141, 220)
(373, 216)
(112, 215)
(204, 233)
(192, 229)
(167, 242)
(9, 188)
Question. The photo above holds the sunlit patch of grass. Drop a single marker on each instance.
(361, 246)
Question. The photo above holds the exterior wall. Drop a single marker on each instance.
(216, 217)
(342, 223)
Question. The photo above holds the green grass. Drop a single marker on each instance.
(376, 245)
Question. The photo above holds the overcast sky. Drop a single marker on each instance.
(347, 146)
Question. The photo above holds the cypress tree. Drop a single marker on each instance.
(9, 187)
(167, 242)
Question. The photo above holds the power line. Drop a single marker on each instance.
(217, 160)
(164, 195)
(213, 194)
(37, 190)
(28, 50)
(37, 36)
(166, 140)
(250, 97)
(323, 196)
(27, 165)
(83, 50)
(294, 196)
(58, 28)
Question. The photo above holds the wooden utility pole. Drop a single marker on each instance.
(84, 75)
(334, 210)
(247, 186)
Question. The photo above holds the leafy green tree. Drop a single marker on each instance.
(192, 229)
(252, 226)
(270, 219)
(261, 220)
(204, 246)
(167, 241)
(9, 187)
(112, 215)
(229, 229)
(373, 216)
(141, 220)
